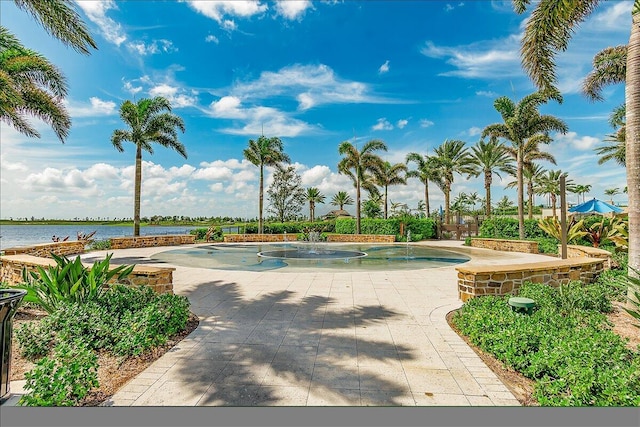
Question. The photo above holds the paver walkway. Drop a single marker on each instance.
(320, 338)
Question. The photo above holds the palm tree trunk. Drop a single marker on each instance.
(311, 211)
(530, 195)
(447, 191)
(136, 191)
(260, 223)
(519, 165)
(385, 201)
(487, 187)
(358, 205)
(632, 99)
(553, 204)
(426, 197)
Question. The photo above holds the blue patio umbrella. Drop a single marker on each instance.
(595, 206)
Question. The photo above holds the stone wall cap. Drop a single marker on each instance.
(491, 239)
(534, 266)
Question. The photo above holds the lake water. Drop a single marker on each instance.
(25, 235)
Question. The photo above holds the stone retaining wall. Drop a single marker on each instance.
(577, 251)
(241, 238)
(507, 279)
(526, 246)
(45, 249)
(160, 279)
(151, 241)
(361, 238)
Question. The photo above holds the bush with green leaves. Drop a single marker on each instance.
(64, 379)
(69, 281)
(424, 228)
(566, 345)
(327, 226)
(507, 228)
(126, 321)
(100, 245)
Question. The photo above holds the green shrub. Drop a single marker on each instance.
(34, 339)
(547, 245)
(69, 281)
(100, 245)
(507, 228)
(199, 232)
(63, 380)
(419, 228)
(327, 226)
(565, 345)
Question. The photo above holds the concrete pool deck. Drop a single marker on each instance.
(319, 338)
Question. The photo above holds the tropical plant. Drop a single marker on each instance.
(360, 167)
(600, 232)
(60, 20)
(490, 158)
(70, 281)
(264, 152)
(634, 296)
(426, 171)
(547, 32)
(149, 120)
(612, 192)
(387, 175)
(620, 234)
(313, 196)
(551, 226)
(452, 157)
(525, 128)
(340, 199)
(31, 86)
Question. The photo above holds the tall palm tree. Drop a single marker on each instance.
(388, 175)
(31, 86)
(548, 31)
(340, 199)
(60, 19)
(549, 184)
(426, 171)
(581, 190)
(360, 167)
(313, 196)
(612, 192)
(523, 122)
(452, 157)
(616, 148)
(490, 158)
(149, 120)
(531, 173)
(264, 152)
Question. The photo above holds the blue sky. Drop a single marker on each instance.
(314, 73)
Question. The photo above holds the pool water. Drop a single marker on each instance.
(299, 256)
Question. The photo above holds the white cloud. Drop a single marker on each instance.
(96, 11)
(177, 96)
(12, 166)
(217, 10)
(129, 87)
(292, 9)
(579, 143)
(156, 46)
(484, 59)
(474, 130)
(96, 107)
(448, 7)
(311, 85)
(487, 93)
(211, 39)
(383, 124)
(384, 68)
(402, 123)
(424, 123)
(229, 25)
(616, 17)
